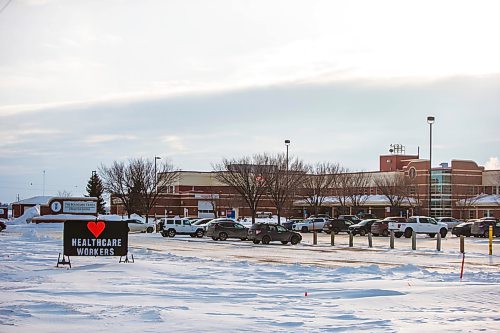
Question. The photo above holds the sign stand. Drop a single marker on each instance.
(126, 259)
(63, 261)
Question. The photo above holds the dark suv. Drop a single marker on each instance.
(337, 225)
(352, 218)
(227, 229)
(267, 232)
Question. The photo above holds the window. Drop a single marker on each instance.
(187, 223)
(280, 228)
(178, 222)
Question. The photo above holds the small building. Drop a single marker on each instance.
(60, 209)
(4, 211)
(19, 207)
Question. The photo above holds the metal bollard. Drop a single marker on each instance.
(462, 244)
(438, 244)
(392, 239)
(332, 238)
(490, 242)
(370, 240)
(413, 240)
(351, 239)
(315, 237)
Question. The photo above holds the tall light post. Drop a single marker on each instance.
(430, 121)
(287, 143)
(156, 176)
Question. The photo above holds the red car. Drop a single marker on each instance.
(381, 228)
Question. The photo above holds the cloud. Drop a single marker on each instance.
(102, 138)
(492, 164)
(175, 143)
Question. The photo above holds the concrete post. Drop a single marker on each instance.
(392, 239)
(413, 240)
(315, 237)
(332, 238)
(351, 239)
(462, 244)
(438, 244)
(370, 240)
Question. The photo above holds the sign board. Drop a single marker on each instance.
(206, 196)
(2, 211)
(95, 238)
(80, 207)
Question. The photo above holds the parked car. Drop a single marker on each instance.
(450, 221)
(227, 229)
(363, 227)
(135, 225)
(289, 224)
(352, 218)
(337, 225)
(207, 224)
(462, 229)
(381, 227)
(3, 226)
(179, 226)
(310, 224)
(266, 232)
(480, 228)
(201, 221)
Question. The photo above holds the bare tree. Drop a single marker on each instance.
(64, 194)
(358, 184)
(317, 184)
(415, 197)
(135, 184)
(116, 181)
(466, 197)
(245, 176)
(395, 187)
(341, 188)
(144, 173)
(283, 180)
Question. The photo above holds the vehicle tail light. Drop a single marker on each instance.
(399, 225)
(216, 225)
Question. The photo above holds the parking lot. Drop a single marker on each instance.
(323, 254)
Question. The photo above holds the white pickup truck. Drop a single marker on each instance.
(310, 224)
(419, 224)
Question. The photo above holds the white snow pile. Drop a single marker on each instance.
(170, 288)
(27, 216)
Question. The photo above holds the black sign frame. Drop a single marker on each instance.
(95, 238)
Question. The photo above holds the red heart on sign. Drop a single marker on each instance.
(96, 228)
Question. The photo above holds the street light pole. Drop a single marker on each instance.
(156, 176)
(430, 121)
(287, 143)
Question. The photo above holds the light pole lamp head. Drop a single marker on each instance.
(287, 142)
(157, 158)
(430, 120)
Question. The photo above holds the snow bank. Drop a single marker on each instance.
(27, 216)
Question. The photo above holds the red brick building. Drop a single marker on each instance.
(199, 194)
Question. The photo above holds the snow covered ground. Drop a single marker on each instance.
(183, 284)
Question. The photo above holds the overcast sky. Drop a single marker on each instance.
(89, 82)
